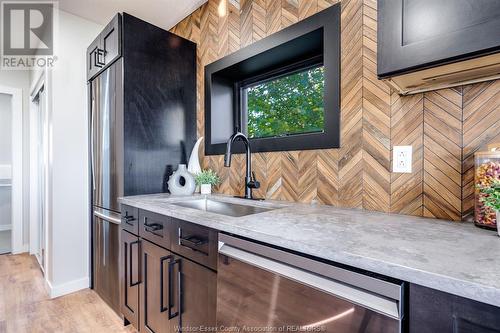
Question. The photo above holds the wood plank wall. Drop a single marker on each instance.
(444, 127)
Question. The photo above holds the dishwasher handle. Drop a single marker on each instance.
(386, 306)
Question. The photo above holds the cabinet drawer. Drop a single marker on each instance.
(130, 219)
(195, 242)
(156, 228)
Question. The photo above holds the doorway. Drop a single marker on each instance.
(39, 157)
(11, 218)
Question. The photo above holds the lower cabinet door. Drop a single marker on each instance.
(106, 254)
(154, 289)
(130, 276)
(193, 294)
(436, 311)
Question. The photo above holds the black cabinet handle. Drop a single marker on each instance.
(171, 304)
(162, 260)
(180, 291)
(128, 219)
(193, 241)
(152, 227)
(138, 242)
(97, 58)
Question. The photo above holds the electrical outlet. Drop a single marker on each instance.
(401, 159)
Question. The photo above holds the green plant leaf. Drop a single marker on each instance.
(207, 177)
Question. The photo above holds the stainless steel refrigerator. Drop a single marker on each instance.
(142, 96)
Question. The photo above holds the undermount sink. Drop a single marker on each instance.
(223, 208)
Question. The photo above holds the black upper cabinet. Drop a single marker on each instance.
(106, 48)
(419, 34)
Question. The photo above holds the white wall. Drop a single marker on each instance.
(5, 129)
(20, 79)
(68, 227)
(5, 159)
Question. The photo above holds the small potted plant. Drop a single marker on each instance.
(491, 198)
(206, 179)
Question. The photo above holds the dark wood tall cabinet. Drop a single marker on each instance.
(142, 117)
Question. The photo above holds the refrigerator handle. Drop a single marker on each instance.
(92, 111)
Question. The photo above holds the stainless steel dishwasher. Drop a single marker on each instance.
(263, 289)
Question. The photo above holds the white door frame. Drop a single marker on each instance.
(34, 174)
(17, 167)
(39, 82)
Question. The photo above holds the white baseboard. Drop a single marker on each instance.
(68, 287)
(24, 248)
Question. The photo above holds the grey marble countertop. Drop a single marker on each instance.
(457, 258)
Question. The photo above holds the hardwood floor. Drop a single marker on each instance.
(25, 305)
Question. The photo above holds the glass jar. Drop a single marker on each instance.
(487, 169)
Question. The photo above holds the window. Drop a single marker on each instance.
(283, 91)
(286, 105)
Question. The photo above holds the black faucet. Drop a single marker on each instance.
(250, 181)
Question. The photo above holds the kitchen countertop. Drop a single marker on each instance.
(457, 258)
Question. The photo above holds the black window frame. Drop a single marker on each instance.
(298, 67)
(324, 25)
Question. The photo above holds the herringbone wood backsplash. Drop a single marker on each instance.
(444, 127)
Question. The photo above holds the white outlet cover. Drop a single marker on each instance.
(402, 159)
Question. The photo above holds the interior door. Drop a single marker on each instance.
(42, 172)
(154, 290)
(130, 276)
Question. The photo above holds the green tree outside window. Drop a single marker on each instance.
(288, 105)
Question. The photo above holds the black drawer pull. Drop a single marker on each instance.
(162, 260)
(138, 242)
(152, 227)
(193, 241)
(128, 219)
(171, 304)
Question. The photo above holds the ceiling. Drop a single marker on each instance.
(163, 13)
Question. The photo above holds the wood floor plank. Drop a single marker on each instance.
(25, 305)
